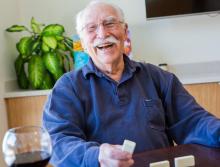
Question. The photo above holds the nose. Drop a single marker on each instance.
(101, 32)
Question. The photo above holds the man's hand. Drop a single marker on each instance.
(113, 156)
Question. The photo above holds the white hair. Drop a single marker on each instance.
(80, 16)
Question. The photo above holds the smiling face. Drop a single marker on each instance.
(103, 34)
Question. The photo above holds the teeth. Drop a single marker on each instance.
(104, 45)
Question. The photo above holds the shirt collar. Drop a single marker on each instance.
(90, 68)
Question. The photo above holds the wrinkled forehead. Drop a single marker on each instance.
(99, 12)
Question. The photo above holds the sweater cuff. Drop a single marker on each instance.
(92, 157)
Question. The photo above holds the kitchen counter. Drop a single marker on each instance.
(192, 73)
(12, 90)
(195, 73)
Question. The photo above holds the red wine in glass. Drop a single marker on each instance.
(28, 146)
(31, 159)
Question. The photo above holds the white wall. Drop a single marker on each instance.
(172, 40)
(8, 16)
(178, 40)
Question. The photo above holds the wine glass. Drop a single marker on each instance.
(27, 146)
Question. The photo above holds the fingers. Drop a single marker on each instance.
(117, 163)
(115, 152)
(112, 155)
(122, 163)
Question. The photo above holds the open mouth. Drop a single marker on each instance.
(105, 46)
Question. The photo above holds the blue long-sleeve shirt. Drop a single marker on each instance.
(148, 106)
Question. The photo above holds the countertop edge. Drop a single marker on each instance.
(25, 93)
(191, 73)
(12, 91)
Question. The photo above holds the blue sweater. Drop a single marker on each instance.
(148, 106)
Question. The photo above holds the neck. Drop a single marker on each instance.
(113, 70)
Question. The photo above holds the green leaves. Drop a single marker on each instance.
(36, 70)
(35, 26)
(24, 46)
(46, 53)
(51, 34)
(35, 45)
(20, 72)
(53, 30)
(23, 81)
(44, 47)
(16, 28)
(62, 46)
(59, 38)
(50, 41)
(52, 64)
(19, 64)
(68, 43)
(48, 81)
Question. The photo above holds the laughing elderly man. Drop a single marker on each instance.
(91, 111)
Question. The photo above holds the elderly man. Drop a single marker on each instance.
(91, 111)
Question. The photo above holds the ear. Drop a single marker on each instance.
(126, 31)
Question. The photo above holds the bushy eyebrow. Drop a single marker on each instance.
(107, 18)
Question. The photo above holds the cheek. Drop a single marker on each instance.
(88, 46)
(122, 39)
(86, 41)
(121, 36)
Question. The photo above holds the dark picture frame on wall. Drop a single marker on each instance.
(167, 8)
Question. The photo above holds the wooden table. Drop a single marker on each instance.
(204, 156)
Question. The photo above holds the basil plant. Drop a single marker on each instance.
(44, 55)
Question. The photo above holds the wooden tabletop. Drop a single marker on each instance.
(204, 156)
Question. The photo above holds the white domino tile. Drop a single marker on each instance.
(160, 164)
(185, 161)
(128, 146)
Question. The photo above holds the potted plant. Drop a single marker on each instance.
(44, 55)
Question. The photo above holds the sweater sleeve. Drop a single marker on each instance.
(188, 122)
(64, 119)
